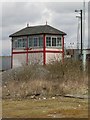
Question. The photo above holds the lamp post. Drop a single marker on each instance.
(80, 11)
(78, 30)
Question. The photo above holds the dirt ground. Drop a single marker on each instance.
(61, 107)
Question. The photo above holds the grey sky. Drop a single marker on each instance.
(60, 15)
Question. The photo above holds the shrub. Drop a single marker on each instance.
(50, 80)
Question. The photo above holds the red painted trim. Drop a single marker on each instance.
(44, 51)
(24, 52)
(27, 52)
(48, 51)
(38, 51)
(62, 49)
(53, 51)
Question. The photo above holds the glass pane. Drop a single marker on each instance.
(53, 41)
(30, 42)
(59, 41)
(40, 41)
(48, 41)
(35, 42)
(24, 42)
(19, 43)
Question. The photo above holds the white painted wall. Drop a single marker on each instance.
(35, 58)
(50, 57)
(19, 60)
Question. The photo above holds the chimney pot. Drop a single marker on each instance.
(27, 24)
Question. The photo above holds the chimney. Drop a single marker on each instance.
(46, 22)
(27, 24)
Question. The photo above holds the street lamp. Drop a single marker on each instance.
(80, 11)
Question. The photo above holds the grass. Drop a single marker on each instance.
(50, 80)
(59, 108)
(18, 85)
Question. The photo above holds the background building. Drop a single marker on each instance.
(75, 54)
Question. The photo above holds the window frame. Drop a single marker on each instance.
(40, 41)
(30, 39)
(48, 41)
(55, 42)
(60, 44)
(24, 43)
(19, 42)
(34, 39)
(35, 42)
(56, 37)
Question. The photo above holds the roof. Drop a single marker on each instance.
(36, 30)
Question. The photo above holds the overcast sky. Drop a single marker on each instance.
(60, 15)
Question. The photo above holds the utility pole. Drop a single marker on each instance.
(78, 31)
(81, 32)
(80, 11)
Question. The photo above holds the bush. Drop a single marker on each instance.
(50, 80)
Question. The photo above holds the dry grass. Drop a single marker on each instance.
(46, 81)
(53, 79)
(49, 108)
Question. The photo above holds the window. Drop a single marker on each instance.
(35, 41)
(53, 41)
(24, 42)
(59, 42)
(48, 41)
(30, 44)
(40, 41)
(19, 43)
(14, 44)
